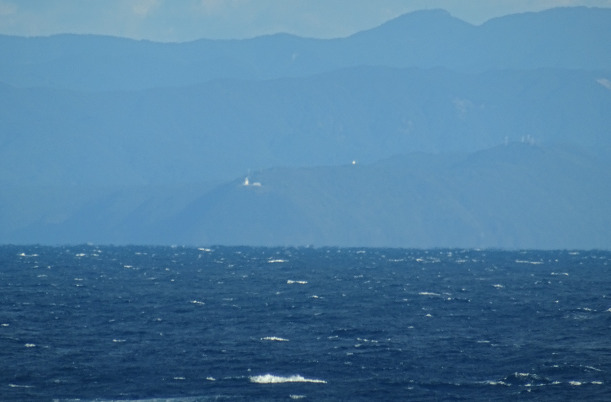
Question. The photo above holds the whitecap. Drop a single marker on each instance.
(290, 282)
(274, 338)
(575, 383)
(27, 255)
(498, 286)
(201, 303)
(30, 345)
(492, 382)
(273, 379)
(529, 262)
(297, 396)
(275, 261)
(210, 378)
(560, 273)
(428, 294)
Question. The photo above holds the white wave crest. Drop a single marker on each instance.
(274, 338)
(529, 262)
(27, 255)
(492, 382)
(429, 294)
(290, 282)
(274, 379)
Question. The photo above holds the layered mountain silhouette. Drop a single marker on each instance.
(570, 38)
(424, 132)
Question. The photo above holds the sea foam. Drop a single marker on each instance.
(274, 338)
(274, 379)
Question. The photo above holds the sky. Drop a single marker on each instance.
(185, 20)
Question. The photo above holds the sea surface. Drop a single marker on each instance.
(233, 323)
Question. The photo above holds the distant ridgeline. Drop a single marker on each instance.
(424, 132)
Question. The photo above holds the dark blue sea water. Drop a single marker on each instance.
(173, 323)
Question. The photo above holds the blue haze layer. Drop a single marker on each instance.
(424, 132)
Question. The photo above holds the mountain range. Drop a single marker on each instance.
(569, 38)
(423, 132)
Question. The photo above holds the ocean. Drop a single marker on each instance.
(106, 323)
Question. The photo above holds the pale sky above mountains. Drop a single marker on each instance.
(184, 20)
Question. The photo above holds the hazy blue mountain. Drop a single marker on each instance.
(512, 196)
(223, 129)
(471, 136)
(574, 38)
